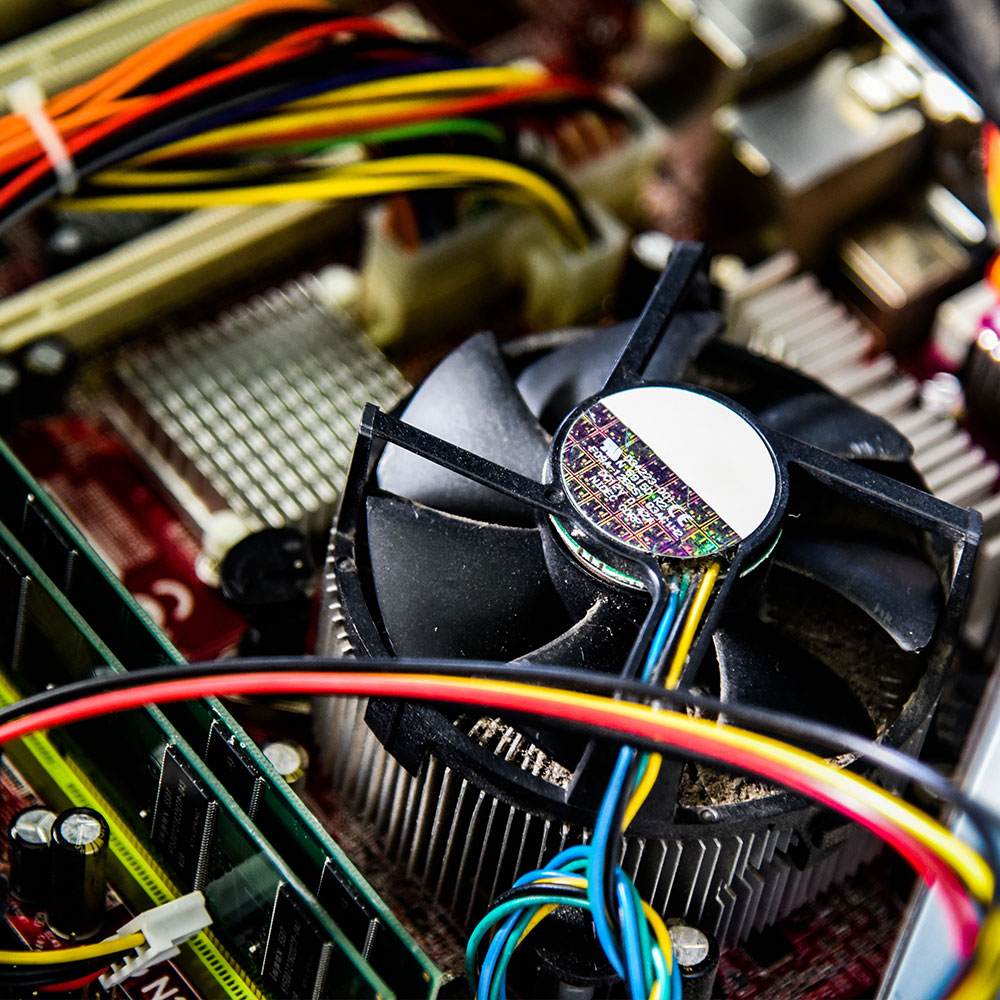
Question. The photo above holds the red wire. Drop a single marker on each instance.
(191, 88)
(73, 984)
(322, 32)
(498, 695)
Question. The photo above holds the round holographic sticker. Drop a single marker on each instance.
(668, 471)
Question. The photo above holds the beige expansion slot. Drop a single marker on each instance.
(118, 291)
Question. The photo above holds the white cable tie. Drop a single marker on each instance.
(27, 99)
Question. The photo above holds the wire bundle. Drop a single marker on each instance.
(965, 879)
(632, 935)
(62, 969)
(273, 100)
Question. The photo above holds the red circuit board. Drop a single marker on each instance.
(835, 948)
(106, 492)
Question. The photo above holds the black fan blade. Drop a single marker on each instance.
(448, 586)
(898, 590)
(838, 426)
(469, 400)
(562, 379)
(599, 641)
(759, 667)
(559, 381)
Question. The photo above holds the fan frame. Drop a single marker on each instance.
(411, 733)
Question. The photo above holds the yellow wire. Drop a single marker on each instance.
(965, 861)
(540, 915)
(661, 934)
(691, 625)
(365, 179)
(438, 83)
(982, 979)
(79, 953)
(124, 177)
(322, 190)
(326, 110)
(642, 790)
(277, 126)
(660, 931)
(698, 605)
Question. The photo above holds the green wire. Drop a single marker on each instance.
(499, 913)
(532, 904)
(510, 946)
(447, 126)
(645, 939)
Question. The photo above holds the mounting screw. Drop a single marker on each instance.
(697, 954)
(690, 946)
(708, 815)
(554, 495)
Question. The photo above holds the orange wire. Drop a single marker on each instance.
(98, 98)
(180, 42)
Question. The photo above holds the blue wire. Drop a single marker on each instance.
(609, 805)
(493, 955)
(635, 973)
(595, 865)
(591, 857)
(564, 863)
(660, 636)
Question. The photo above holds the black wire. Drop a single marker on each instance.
(191, 115)
(616, 837)
(612, 851)
(793, 728)
(36, 976)
(534, 890)
(188, 116)
(678, 623)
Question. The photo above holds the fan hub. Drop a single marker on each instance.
(666, 471)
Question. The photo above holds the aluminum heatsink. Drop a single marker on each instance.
(256, 412)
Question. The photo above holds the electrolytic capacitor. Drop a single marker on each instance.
(29, 839)
(290, 760)
(79, 876)
(697, 955)
(268, 577)
(48, 364)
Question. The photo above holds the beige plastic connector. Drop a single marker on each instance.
(562, 286)
(406, 292)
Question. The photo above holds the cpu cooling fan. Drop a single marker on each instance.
(524, 504)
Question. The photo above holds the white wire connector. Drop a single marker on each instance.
(165, 928)
(27, 99)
